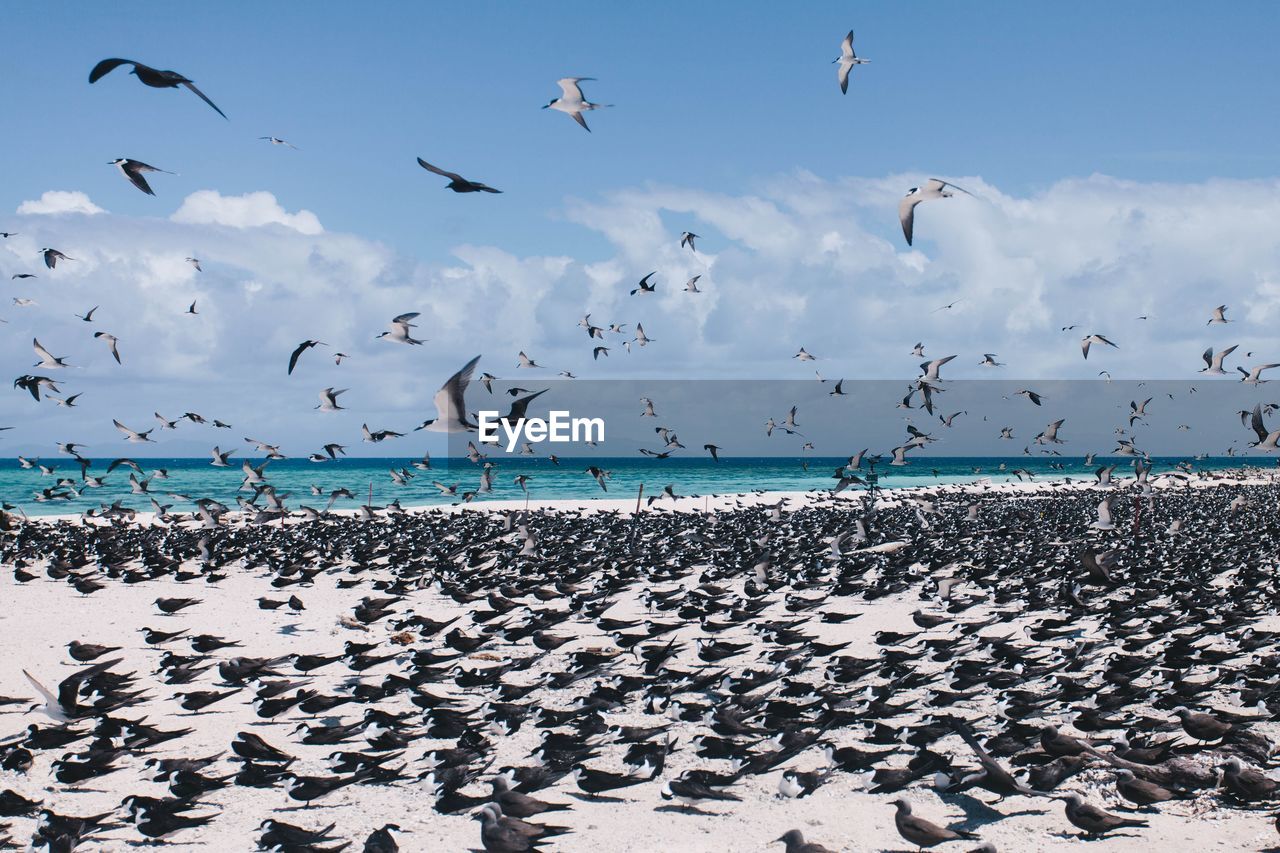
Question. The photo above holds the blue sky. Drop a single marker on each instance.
(1121, 156)
(712, 96)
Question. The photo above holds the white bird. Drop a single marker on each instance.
(450, 402)
(691, 286)
(934, 188)
(1088, 341)
(1219, 316)
(329, 400)
(275, 140)
(641, 338)
(1213, 363)
(220, 457)
(1050, 434)
(133, 170)
(398, 329)
(931, 369)
(989, 360)
(133, 435)
(1104, 516)
(111, 342)
(686, 239)
(48, 360)
(195, 262)
(804, 356)
(571, 101)
(846, 60)
(525, 361)
(1254, 376)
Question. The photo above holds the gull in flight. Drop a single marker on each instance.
(47, 359)
(1219, 316)
(398, 329)
(1050, 434)
(297, 353)
(931, 369)
(525, 361)
(687, 238)
(275, 140)
(148, 76)
(1254, 376)
(571, 101)
(804, 356)
(111, 342)
(989, 360)
(457, 183)
(1266, 440)
(52, 256)
(846, 60)
(133, 170)
(133, 435)
(1213, 363)
(644, 286)
(195, 262)
(691, 286)
(329, 400)
(1090, 340)
(450, 402)
(935, 188)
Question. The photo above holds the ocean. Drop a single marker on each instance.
(296, 479)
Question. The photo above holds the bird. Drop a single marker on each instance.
(111, 343)
(133, 171)
(457, 183)
(398, 329)
(329, 400)
(846, 60)
(686, 239)
(153, 77)
(195, 262)
(921, 832)
(794, 839)
(644, 286)
(88, 315)
(275, 140)
(301, 348)
(934, 188)
(1213, 362)
(691, 286)
(450, 403)
(1093, 820)
(47, 359)
(571, 101)
(1219, 316)
(52, 256)
(1089, 340)
(133, 435)
(191, 309)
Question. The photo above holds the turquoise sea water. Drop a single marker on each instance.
(196, 478)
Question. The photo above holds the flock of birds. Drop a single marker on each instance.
(518, 668)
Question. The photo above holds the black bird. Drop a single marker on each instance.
(457, 183)
(148, 76)
(133, 170)
(381, 840)
(297, 353)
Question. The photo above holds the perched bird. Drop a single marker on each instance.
(148, 76)
(921, 832)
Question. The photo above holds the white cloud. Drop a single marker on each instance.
(251, 210)
(796, 261)
(55, 202)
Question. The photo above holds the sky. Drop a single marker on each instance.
(1120, 159)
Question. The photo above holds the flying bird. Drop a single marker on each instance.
(297, 353)
(1090, 340)
(846, 60)
(450, 403)
(148, 76)
(457, 183)
(133, 170)
(398, 329)
(51, 258)
(645, 286)
(47, 359)
(935, 188)
(571, 101)
(275, 140)
(111, 343)
(687, 238)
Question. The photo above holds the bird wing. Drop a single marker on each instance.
(450, 175)
(1255, 421)
(569, 86)
(907, 214)
(43, 353)
(293, 359)
(40, 688)
(204, 97)
(405, 318)
(134, 174)
(106, 66)
(842, 74)
(580, 120)
(450, 400)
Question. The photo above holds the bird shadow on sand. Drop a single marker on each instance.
(977, 813)
(689, 810)
(1080, 836)
(596, 798)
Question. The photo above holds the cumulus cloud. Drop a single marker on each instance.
(796, 261)
(55, 202)
(251, 210)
